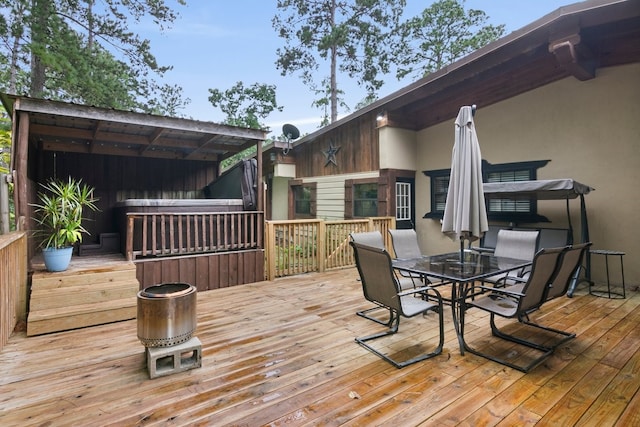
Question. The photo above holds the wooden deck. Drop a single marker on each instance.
(283, 353)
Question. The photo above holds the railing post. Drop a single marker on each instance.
(129, 248)
(270, 249)
(322, 245)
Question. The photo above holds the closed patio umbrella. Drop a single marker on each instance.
(465, 213)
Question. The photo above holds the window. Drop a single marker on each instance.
(302, 199)
(403, 201)
(365, 200)
(508, 206)
(498, 209)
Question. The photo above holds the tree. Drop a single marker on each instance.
(246, 106)
(441, 34)
(66, 50)
(347, 36)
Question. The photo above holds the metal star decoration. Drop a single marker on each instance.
(330, 154)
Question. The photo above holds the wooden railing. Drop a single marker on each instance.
(170, 234)
(13, 282)
(303, 246)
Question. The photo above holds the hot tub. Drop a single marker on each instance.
(178, 205)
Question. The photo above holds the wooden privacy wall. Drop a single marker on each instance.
(205, 271)
(13, 283)
(116, 178)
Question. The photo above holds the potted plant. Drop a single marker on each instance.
(59, 214)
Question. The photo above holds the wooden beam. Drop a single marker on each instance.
(21, 141)
(152, 139)
(574, 57)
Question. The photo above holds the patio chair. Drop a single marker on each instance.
(569, 267)
(508, 303)
(517, 244)
(381, 287)
(375, 240)
(571, 264)
(405, 246)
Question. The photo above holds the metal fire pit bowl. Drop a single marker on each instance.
(166, 314)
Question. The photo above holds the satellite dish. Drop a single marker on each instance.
(290, 131)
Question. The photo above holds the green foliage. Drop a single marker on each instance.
(60, 211)
(5, 142)
(246, 106)
(5, 159)
(66, 50)
(347, 36)
(443, 33)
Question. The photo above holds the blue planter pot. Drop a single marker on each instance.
(57, 259)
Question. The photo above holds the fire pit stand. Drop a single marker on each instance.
(166, 322)
(177, 358)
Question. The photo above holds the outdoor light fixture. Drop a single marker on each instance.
(382, 119)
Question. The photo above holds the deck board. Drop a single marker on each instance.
(282, 353)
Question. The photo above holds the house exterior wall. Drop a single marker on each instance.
(589, 130)
(397, 149)
(280, 201)
(330, 195)
(356, 150)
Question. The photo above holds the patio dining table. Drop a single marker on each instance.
(459, 274)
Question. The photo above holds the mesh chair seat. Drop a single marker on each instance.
(516, 244)
(380, 286)
(507, 303)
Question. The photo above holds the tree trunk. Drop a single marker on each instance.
(40, 10)
(334, 64)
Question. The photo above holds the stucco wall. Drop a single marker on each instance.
(280, 198)
(589, 130)
(397, 149)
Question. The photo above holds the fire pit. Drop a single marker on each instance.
(166, 314)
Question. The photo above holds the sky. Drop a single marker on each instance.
(216, 43)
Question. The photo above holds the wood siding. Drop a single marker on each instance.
(117, 178)
(358, 150)
(205, 272)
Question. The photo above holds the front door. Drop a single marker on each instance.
(405, 203)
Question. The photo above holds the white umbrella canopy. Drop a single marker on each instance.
(465, 213)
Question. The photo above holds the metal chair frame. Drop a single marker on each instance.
(380, 286)
(509, 302)
(374, 239)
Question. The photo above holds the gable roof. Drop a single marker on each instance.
(574, 40)
(60, 126)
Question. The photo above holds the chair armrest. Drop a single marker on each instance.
(494, 290)
(482, 250)
(421, 290)
(415, 291)
(503, 280)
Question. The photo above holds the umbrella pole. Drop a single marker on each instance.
(462, 250)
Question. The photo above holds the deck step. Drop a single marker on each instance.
(84, 295)
(43, 299)
(80, 316)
